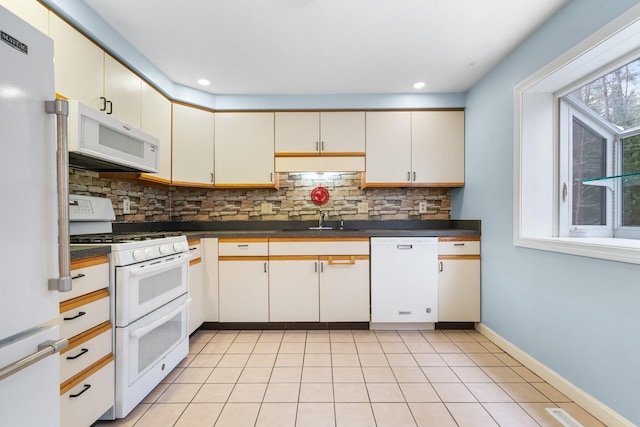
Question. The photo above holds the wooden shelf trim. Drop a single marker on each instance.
(195, 261)
(319, 239)
(459, 239)
(83, 300)
(89, 261)
(321, 154)
(243, 240)
(458, 257)
(87, 335)
(243, 258)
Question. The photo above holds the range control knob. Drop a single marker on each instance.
(166, 249)
(139, 255)
(179, 247)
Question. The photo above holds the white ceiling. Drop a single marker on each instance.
(325, 46)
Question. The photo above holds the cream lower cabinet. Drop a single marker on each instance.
(294, 289)
(209, 252)
(196, 286)
(324, 280)
(243, 272)
(459, 279)
(87, 364)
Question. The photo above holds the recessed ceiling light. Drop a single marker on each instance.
(418, 85)
(204, 82)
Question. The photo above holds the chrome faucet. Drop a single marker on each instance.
(321, 219)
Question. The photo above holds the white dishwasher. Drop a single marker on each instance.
(404, 280)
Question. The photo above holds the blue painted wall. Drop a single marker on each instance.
(579, 316)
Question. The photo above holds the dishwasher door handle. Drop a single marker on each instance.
(404, 247)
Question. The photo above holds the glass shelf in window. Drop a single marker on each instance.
(608, 181)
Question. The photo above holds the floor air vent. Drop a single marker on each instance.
(564, 418)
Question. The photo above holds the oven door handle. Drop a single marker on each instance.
(140, 332)
(154, 268)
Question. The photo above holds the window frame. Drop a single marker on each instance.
(537, 184)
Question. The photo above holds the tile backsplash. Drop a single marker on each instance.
(291, 202)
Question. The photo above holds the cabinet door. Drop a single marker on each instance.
(196, 288)
(79, 64)
(192, 148)
(297, 133)
(342, 133)
(459, 290)
(155, 119)
(31, 11)
(210, 257)
(344, 289)
(122, 89)
(244, 291)
(437, 139)
(244, 149)
(388, 158)
(293, 290)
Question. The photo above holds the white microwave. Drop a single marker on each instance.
(100, 142)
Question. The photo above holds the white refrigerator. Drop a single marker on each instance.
(29, 256)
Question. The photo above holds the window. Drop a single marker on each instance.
(599, 133)
(577, 134)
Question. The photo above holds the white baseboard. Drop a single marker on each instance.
(590, 404)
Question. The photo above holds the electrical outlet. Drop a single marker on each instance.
(422, 207)
(126, 206)
(266, 208)
(363, 207)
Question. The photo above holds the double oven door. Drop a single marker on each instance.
(152, 326)
(144, 287)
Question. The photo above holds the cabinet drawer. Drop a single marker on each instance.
(450, 246)
(88, 275)
(302, 246)
(243, 247)
(84, 350)
(88, 395)
(194, 249)
(83, 313)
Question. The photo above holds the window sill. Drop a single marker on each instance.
(612, 249)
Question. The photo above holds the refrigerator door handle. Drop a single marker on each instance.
(60, 108)
(45, 349)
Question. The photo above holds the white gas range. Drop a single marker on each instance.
(149, 287)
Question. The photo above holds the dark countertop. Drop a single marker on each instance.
(85, 251)
(275, 229)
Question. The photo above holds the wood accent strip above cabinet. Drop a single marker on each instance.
(243, 258)
(86, 336)
(88, 262)
(459, 239)
(458, 257)
(322, 154)
(319, 239)
(243, 239)
(85, 299)
(195, 261)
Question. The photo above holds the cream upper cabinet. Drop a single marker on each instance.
(79, 64)
(244, 150)
(31, 11)
(320, 133)
(84, 72)
(419, 148)
(437, 141)
(192, 147)
(122, 89)
(388, 159)
(155, 119)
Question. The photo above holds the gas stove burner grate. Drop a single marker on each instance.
(122, 237)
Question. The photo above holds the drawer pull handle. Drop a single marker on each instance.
(86, 387)
(82, 351)
(243, 246)
(79, 276)
(81, 313)
(458, 244)
(350, 261)
(192, 249)
(404, 247)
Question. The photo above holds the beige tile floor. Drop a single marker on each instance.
(349, 378)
